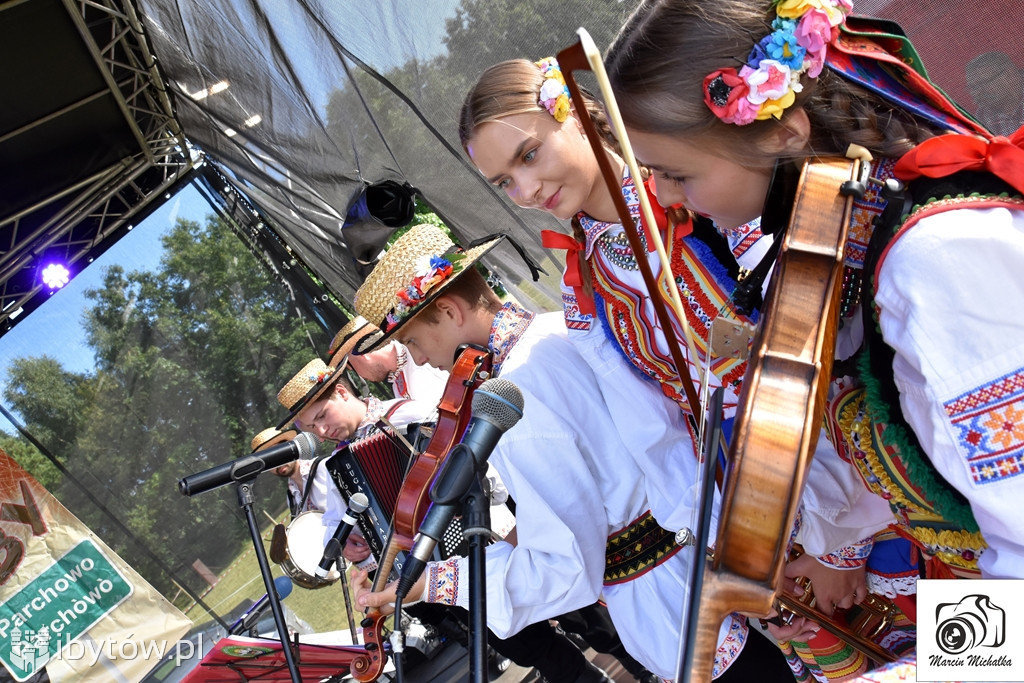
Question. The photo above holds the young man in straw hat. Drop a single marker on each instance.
(391, 364)
(577, 483)
(320, 400)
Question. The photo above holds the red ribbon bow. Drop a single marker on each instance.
(947, 154)
(573, 276)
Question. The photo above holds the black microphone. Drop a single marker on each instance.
(283, 587)
(497, 407)
(301, 447)
(356, 506)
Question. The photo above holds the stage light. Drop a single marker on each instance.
(55, 276)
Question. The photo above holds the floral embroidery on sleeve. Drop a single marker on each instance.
(851, 557)
(443, 582)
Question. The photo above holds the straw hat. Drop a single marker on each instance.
(417, 269)
(305, 387)
(354, 331)
(271, 436)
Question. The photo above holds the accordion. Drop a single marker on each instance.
(376, 467)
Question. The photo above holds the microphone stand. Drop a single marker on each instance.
(349, 614)
(246, 500)
(452, 485)
(477, 531)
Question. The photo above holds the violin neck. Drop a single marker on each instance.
(384, 567)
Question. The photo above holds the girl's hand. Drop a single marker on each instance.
(832, 587)
(799, 629)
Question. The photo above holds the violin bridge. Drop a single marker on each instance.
(730, 338)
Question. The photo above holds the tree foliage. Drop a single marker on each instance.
(482, 33)
(189, 359)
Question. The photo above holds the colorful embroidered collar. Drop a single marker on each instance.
(374, 412)
(402, 359)
(507, 329)
(594, 228)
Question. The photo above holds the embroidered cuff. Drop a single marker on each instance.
(443, 583)
(730, 648)
(851, 557)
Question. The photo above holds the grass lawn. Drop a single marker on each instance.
(322, 608)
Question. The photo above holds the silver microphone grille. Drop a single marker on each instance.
(358, 503)
(499, 401)
(306, 443)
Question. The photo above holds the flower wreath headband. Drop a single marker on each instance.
(554, 93)
(768, 83)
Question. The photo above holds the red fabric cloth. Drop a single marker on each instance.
(947, 154)
(573, 276)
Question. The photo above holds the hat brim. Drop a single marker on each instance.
(284, 435)
(363, 333)
(313, 395)
(469, 260)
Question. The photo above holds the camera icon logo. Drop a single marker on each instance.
(972, 622)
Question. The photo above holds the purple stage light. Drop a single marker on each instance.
(55, 276)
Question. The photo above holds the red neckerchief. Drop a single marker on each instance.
(945, 155)
(573, 277)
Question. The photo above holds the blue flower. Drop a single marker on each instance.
(438, 262)
(760, 52)
(782, 45)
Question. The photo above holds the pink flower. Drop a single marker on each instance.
(814, 31)
(769, 81)
(814, 62)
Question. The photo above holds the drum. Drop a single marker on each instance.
(304, 550)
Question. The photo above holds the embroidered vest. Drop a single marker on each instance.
(704, 286)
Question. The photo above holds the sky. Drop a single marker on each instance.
(55, 328)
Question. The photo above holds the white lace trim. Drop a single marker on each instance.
(891, 587)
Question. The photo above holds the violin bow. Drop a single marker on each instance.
(585, 55)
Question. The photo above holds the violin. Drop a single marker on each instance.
(780, 409)
(471, 368)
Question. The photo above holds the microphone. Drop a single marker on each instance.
(497, 407)
(283, 587)
(301, 447)
(356, 506)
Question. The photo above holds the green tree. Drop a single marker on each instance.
(50, 399)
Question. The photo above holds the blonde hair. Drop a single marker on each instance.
(513, 87)
(660, 57)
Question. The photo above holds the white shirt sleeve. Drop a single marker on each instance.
(836, 509)
(951, 296)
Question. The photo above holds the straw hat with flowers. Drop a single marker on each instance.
(306, 386)
(418, 268)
